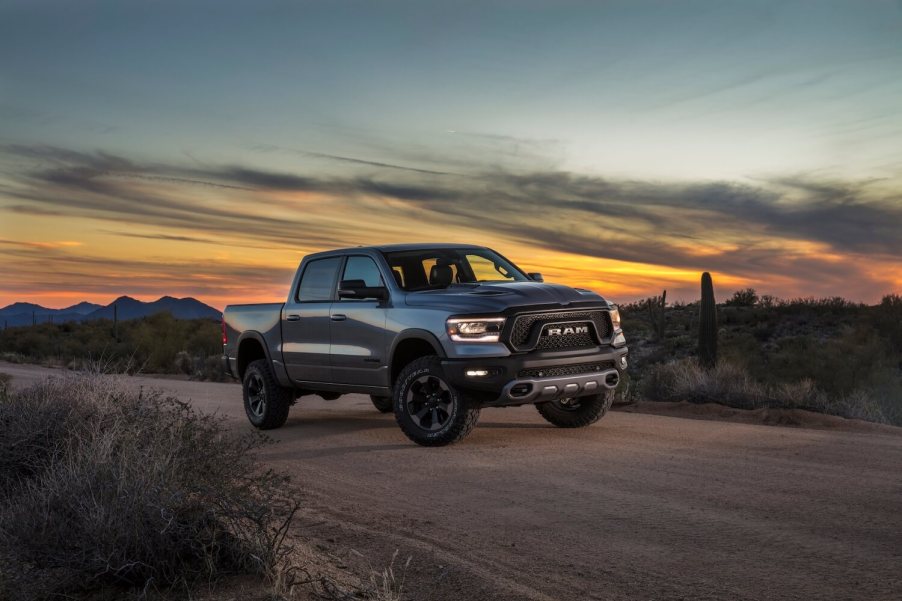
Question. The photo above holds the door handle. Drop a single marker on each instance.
(338, 317)
(293, 317)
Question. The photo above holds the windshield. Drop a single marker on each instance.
(428, 269)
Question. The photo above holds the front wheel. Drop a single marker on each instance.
(429, 410)
(265, 401)
(576, 412)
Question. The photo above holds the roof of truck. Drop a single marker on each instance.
(403, 247)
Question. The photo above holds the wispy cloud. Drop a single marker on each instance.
(269, 148)
(797, 232)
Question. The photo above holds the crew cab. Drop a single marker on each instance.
(433, 333)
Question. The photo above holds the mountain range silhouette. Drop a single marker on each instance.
(22, 314)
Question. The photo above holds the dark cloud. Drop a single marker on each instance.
(193, 239)
(32, 210)
(266, 179)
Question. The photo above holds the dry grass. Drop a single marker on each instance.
(730, 384)
(103, 488)
(387, 584)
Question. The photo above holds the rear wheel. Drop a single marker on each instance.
(428, 409)
(383, 404)
(576, 412)
(265, 401)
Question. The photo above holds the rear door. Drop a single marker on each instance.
(306, 322)
(359, 340)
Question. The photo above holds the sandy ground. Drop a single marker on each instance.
(636, 507)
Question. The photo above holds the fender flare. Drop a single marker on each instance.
(255, 336)
(418, 334)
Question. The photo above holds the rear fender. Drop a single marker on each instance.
(278, 366)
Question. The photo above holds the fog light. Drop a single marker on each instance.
(623, 362)
(480, 373)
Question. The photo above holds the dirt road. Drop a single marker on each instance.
(635, 507)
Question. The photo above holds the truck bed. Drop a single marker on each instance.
(260, 317)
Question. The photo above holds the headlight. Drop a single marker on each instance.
(462, 329)
(615, 318)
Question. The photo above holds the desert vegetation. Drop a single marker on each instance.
(105, 490)
(827, 355)
(155, 344)
(110, 492)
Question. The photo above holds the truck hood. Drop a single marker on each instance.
(497, 297)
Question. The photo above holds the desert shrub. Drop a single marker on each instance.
(11, 357)
(212, 369)
(150, 344)
(743, 298)
(686, 380)
(103, 487)
(184, 363)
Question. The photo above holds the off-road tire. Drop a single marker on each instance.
(384, 404)
(276, 399)
(590, 410)
(461, 413)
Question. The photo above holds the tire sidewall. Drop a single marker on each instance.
(400, 402)
(255, 370)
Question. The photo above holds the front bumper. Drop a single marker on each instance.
(537, 377)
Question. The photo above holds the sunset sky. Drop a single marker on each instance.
(202, 148)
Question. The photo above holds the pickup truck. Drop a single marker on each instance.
(432, 332)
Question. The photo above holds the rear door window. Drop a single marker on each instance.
(318, 280)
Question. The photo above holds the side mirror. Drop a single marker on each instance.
(359, 290)
(536, 277)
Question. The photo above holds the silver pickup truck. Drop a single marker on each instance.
(433, 332)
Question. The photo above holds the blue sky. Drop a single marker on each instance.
(446, 95)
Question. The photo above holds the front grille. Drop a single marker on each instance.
(565, 341)
(565, 370)
(523, 327)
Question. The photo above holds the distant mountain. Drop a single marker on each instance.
(82, 308)
(21, 314)
(17, 308)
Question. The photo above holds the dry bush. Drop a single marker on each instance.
(104, 487)
(184, 363)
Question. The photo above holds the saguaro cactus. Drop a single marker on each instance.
(656, 307)
(707, 324)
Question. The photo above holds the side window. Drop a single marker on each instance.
(318, 280)
(363, 268)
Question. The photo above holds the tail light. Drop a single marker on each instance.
(225, 338)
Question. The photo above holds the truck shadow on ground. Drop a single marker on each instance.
(375, 433)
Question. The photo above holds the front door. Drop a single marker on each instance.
(306, 322)
(359, 340)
